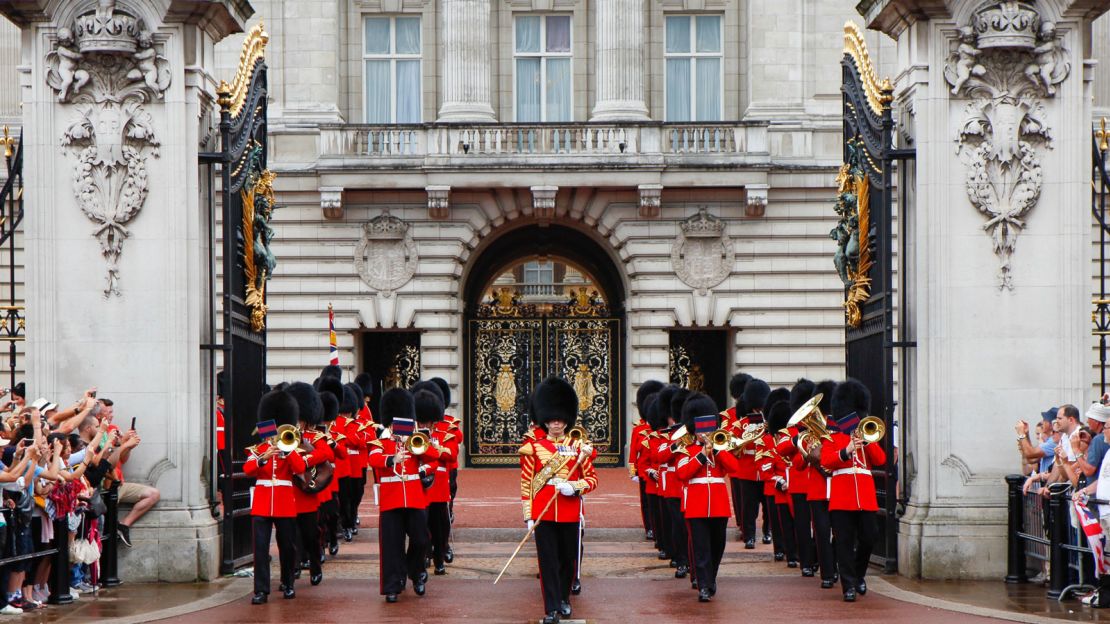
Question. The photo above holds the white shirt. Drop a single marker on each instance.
(1065, 441)
(1102, 490)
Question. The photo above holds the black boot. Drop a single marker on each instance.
(576, 587)
(259, 598)
(551, 618)
(681, 572)
(704, 595)
(564, 609)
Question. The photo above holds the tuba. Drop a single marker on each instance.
(871, 429)
(418, 443)
(288, 438)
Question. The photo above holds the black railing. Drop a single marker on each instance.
(109, 540)
(1040, 532)
(59, 553)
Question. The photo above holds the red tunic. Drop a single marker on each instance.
(456, 428)
(534, 455)
(343, 445)
(851, 487)
(707, 491)
(220, 444)
(797, 477)
(399, 486)
(321, 452)
(635, 446)
(448, 444)
(663, 455)
(746, 458)
(356, 447)
(273, 495)
(648, 466)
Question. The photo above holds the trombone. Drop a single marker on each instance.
(871, 429)
(288, 439)
(417, 443)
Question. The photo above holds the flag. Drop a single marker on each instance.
(847, 424)
(331, 337)
(403, 427)
(1095, 539)
(267, 429)
(705, 424)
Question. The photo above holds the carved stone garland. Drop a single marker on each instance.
(106, 65)
(1007, 60)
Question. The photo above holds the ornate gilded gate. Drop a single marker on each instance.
(514, 346)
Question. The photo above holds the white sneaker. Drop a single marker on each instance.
(10, 610)
(1089, 598)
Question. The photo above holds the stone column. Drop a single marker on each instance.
(620, 61)
(999, 271)
(116, 273)
(466, 61)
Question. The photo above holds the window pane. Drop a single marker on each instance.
(408, 35)
(528, 89)
(408, 91)
(528, 33)
(558, 33)
(678, 89)
(709, 33)
(377, 35)
(558, 89)
(678, 33)
(377, 92)
(709, 89)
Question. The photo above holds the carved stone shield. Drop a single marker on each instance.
(702, 255)
(386, 256)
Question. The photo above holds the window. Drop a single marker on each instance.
(541, 55)
(539, 278)
(693, 80)
(391, 55)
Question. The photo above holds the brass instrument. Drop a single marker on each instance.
(417, 443)
(578, 435)
(288, 438)
(871, 429)
(750, 435)
(681, 436)
(722, 440)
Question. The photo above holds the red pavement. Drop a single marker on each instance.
(490, 498)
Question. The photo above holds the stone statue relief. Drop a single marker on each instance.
(106, 68)
(1006, 61)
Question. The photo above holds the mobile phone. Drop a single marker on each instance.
(132, 423)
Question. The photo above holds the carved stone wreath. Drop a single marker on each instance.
(702, 255)
(386, 256)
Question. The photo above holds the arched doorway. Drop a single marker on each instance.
(542, 301)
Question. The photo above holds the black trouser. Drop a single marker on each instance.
(803, 531)
(751, 494)
(737, 503)
(308, 540)
(679, 540)
(557, 551)
(856, 533)
(663, 525)
(347, 488)
(286, 529)
(453, 483)
(788, 541)
(645, 513)
(439, 526)
(397, 562)
(359, 490)
(653, 509)
(329, 520)
(822, 536)
(776, 526)
(708, 538)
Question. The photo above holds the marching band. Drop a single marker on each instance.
(803, 454)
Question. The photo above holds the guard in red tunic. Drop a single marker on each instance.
(273, 506)
(797, 478)
(751, 484)
(636, 448)
(403, 507)
(331, 511)
(659, 413)
(365, 426)
(429, 418)
(454, 425)
(558, 471)
(852, 501)
(704, 470)
(349, 405)
(664, 453)
(774, 471)
(728, 419)
(818, 494)
(311, 410)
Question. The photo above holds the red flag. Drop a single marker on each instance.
(331, 337)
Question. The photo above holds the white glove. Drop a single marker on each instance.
(530, 524)
(565, 488)
(635, 479)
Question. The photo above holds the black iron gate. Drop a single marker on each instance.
(11, 216)
(864, 235)
(246, 202)
(1100, 189)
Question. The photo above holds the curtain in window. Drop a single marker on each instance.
(377, 35)
(709, 89)
(408, 35)
(709, 33)
(408, 91)
(558, 33)
(558, 89)
(528, 33)
(678, 89)
(528, 89)
(678, 34)
(377, 92)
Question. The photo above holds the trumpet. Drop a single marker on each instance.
(871, 429)
(417, 443)
(288, 439)
(722, 440)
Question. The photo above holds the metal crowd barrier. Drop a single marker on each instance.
(1041, 529)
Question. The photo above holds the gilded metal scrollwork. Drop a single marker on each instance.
(853, 234)
(258, 260)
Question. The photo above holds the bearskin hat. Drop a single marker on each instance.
(278, 406)
(658, 411)
(755, 395)
(677, 399)
(737, 383)
(555, 399)
(331, 407)
(429, 386)
(331, 370)
(698, 404)
(850, 396)
(428, 407)
(776, 395)
(310, 407)
(221, 381)
(778, 414)
(801, 392)
(396, 403)
(826, 389)
(648, 410)
(351, 399)
(366, 382)
(444, 389)
(647, 388)
(330, 385)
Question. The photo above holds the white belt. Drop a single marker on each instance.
(748, 451)
(441, 469)
(705, 480)
(669, 469)
(852, 471)
(272, 483)
(352, 451)
(399, 478)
